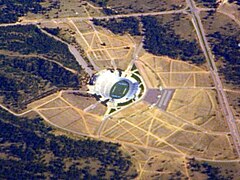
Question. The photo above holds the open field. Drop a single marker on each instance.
(184, 129)
(154, 165)
(162, 141)
(230, 9)
(218, 22)
(197, 106)
(98, 45)
(234, 100)
(69, 113)
(104, 48)
(169, 73)
(181, 24)
(140, 125)
(66, 9)
(207, 3)
(145, 6)
(223, 35)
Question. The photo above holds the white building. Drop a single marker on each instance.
(114, 85)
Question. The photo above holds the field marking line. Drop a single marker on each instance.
(123, 133)
(52, 108)
(157, 76)
(194, 80)
(149, 129)
(156, 137)
(183, 72)
(187, 80)
(91, 43)
(79, 112)
(165, 123)
(129, 132)
(170, 70)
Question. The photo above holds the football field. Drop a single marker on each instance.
(119, 89)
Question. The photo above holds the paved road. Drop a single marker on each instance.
(80, 59)
(159, 98)
(37, 21)
(214, 72)
(88, 55)
(74, 52)
(135, 56)
(198, 26)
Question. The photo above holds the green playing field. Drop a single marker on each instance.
(119, 89)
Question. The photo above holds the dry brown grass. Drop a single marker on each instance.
(72, 8)
(77, 100)
(218, 22)
(67, 112)
(193, 124)
(196, 105)
(172, 73)
(145, 6)
(42, 101)
(173, 132)
(155, 165)
(231, 9)
(181, 24)
(234, 101)
(104, 48)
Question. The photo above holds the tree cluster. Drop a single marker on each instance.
(234, 1)
(227, 48)
(121, 25)
(160, 39)
(25, 143)
(101, 3)
(24, 79)
(10, 10)
(53, 31)
(30, 39)
(211, 171)
(209, 3)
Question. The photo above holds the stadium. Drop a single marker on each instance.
(113, 85)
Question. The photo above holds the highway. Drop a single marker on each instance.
(214, 72)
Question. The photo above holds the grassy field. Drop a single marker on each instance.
(65, 8)
(207, 3)
(69, 113)
(173, 131)
(170, 73)
(172, 36)
(104, 48)
(223, 35)
(234, 101)
(30, 69)
(160, 142)
(134, 6)
(56, 156)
